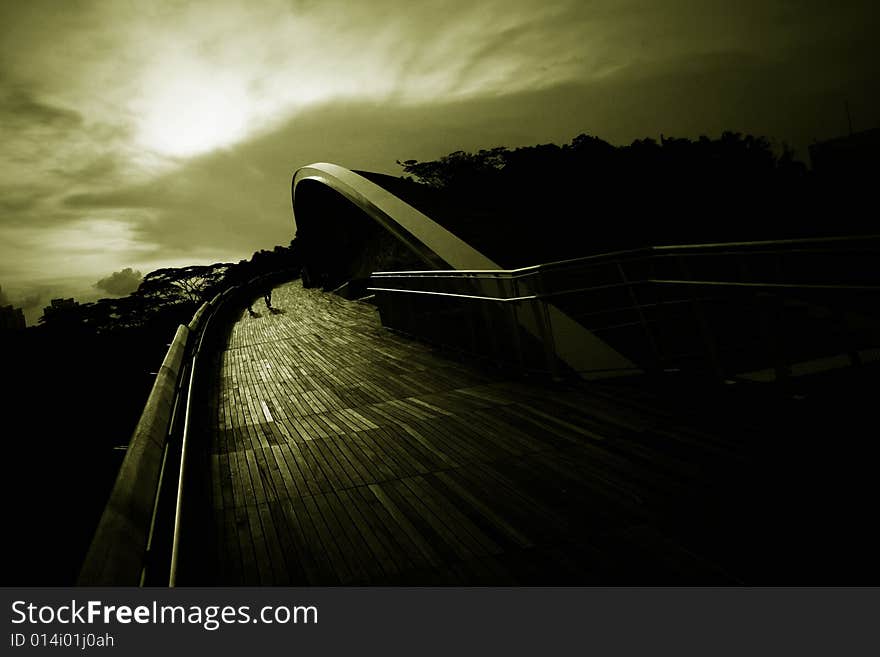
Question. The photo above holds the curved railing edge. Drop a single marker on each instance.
(200, 322)
(645, 251)
(511, 288)
(117, 551)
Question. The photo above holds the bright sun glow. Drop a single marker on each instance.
(187, 116)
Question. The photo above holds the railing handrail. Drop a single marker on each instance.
(201, 321)
(715, 274)
(120, 549)
(632, 283)
(648, 251)
(124, 532)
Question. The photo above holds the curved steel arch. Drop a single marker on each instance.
(440, 249)
(428, 239)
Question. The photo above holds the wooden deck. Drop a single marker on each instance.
(340, 453)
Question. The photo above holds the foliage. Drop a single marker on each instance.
(184, 284)
(732, 151)
(457, 168)
(537, 203)
(165, 296)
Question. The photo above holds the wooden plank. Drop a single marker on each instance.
(261, 550)
(357, 551)
(465, 531)
(490, 513)
(351, 506)
(347, 449)
(337, 559)
(427, 552)
(314, 477)
(280, 575)
(229, 552)
(404, 552)
(333, 450)
(341, 453)
(446, 541)
(378, 469)
(313, 555)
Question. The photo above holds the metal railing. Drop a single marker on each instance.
(726, 309)
(138, 541)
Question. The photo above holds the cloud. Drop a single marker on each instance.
(120, 283)
(19, 107)
(14, 199)
(239, 197)
(31, 300)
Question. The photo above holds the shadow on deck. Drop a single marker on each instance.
(336, 452)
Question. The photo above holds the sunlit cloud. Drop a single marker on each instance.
(94, 236)
(86, 246)
(194, 112)
(202, 77)
(120, 283)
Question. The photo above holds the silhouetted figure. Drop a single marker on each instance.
(267, 298)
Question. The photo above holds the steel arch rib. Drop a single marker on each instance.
(579, 348)
(424, 235)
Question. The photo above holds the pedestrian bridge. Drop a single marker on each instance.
(329, 450)
(440, 431)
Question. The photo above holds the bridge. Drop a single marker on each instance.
(458, 423)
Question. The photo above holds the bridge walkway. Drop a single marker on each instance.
(336, 452)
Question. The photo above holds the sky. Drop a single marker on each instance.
(137, 135)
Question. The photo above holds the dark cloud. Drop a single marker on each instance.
(15, 199)
(120, 283)
(140, 196)
(19, 107)
(98, 169)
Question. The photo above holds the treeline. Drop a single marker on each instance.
(545, 202)
(165, 297)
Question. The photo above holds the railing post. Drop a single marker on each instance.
(472, 325)
(545, 330)
(517, 339)
(851, 343)
(773, 319)
(649, 335)
(704, 329)
(487, 314)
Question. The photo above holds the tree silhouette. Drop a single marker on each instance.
(544, 202)
(191, 284)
